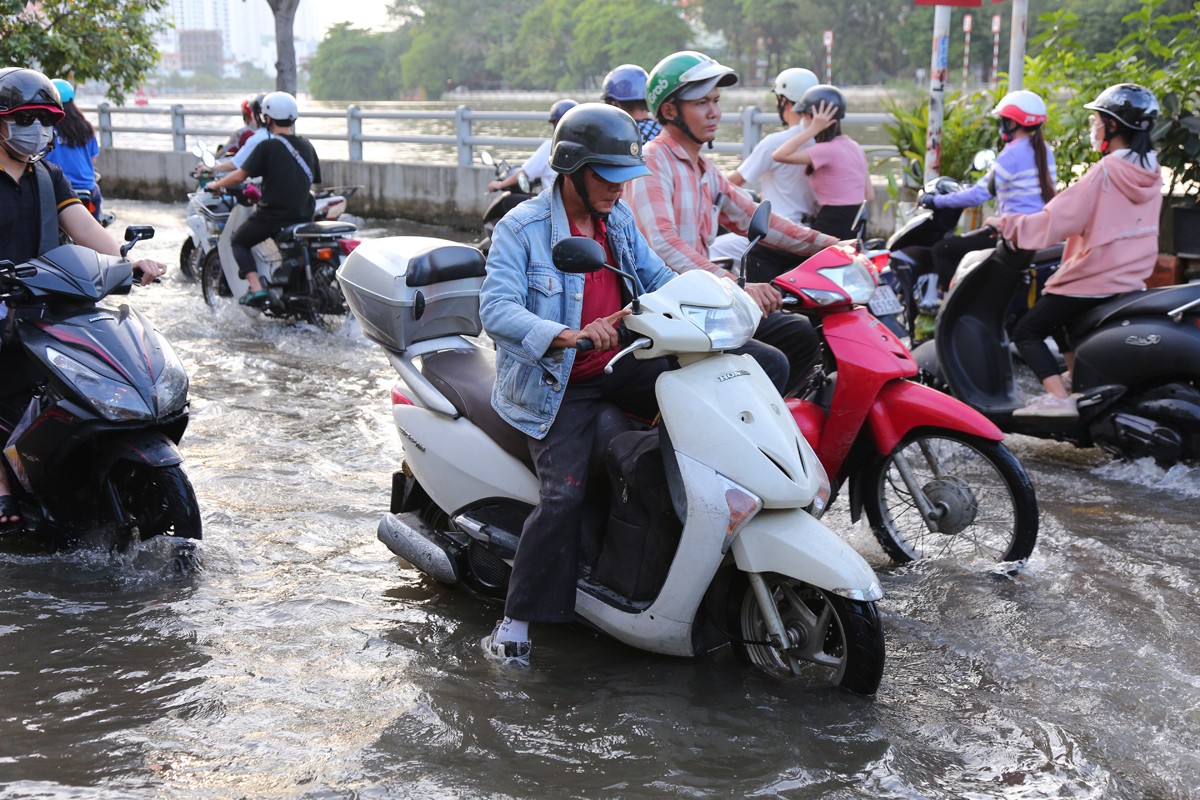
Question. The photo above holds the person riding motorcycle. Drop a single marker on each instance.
(75, 147)
(537, 168)
(251, 108)
(785, 185)
(625, 88)
(1109, 219)
(288, 166)
(35, 201)
(238, 159)
(680, 205)
(835, 163)
(1022, 179)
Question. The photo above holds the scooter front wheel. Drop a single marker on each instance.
(944, 494)
(832, 640)
(212, 280)
(190, 258)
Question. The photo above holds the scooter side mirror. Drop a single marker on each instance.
(578, 255)
(523, 183)
(135, 232)
(983, 159)
(581, 255)
(486, 158)
(760, 223)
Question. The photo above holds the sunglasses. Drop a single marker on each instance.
(29, 116)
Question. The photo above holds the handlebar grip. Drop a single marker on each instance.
(584, 345)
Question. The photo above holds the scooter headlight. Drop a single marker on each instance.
(726, 327)
(820, 501)
(114, 400)
(171, 385)
(856, 279)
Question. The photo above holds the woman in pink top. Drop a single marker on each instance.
(835, 164)
(1109, 219)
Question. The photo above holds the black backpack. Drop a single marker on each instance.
(643, 529)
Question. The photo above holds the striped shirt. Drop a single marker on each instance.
(1015, 177)
(679, 206)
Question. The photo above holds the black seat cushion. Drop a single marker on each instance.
(465, 378)
(1152, 301)
(445, 263)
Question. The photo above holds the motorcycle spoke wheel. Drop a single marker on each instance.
(190, 258)
(833, 641)
(160, 501)
(984, 501)
(212, 281)
(329, 304)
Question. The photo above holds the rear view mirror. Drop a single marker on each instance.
(136, 232)
(760, 223)
(578, 254)
(983, 159)
(487, 159)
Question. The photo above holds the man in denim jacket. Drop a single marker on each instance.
(544, 387)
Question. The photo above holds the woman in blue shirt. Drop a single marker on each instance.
(75, 147)
(1021, 179)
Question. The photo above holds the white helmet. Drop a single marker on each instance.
(793, 83)
(1023, 107)
(280, 107)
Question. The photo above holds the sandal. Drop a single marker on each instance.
(255, 299)
(11, 521)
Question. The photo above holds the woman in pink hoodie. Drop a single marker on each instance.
(1109, 219)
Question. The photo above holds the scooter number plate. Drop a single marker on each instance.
(884, 302)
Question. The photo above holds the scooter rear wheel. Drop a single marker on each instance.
(984, 501)
(834, 641)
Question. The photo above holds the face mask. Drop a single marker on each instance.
(1096, 130)
(28, 140)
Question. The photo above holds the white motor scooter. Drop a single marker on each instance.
(750, 564)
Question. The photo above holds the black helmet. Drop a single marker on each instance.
(822, 93)
(27, 88)
(1129, 104)
(559, 108)
(602, 137)
(256, 110)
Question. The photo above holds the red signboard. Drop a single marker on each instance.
(968, 3)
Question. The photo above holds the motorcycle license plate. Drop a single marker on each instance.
(884, 302)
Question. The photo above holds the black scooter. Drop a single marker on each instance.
(1137, 361)
(94, 449)
(505, 200)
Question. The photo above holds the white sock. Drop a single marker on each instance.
(513, 630)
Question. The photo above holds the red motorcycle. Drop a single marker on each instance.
(932, 473)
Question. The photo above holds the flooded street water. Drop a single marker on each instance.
(304, 660)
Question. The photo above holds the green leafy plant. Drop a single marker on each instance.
(966, 129)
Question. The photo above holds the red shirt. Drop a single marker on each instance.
(601, 297)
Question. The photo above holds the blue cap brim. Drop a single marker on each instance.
(614, 174)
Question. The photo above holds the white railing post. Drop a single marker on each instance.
(104, 112)
(178, 127)
(462, 135)
(751, 131)
(354, 132)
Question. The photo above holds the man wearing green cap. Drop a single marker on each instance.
(679, 206)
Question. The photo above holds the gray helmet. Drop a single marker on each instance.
(599, 136)
(27, 88)
(559, 108)
(1133, 106)
(822, 93)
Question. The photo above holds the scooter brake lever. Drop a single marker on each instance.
(641, 343)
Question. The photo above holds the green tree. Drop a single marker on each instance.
(459, 41)
(542, 46)
(109, 40)
(612, 32)
(352, 64)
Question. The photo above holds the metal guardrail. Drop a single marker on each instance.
(750, 121)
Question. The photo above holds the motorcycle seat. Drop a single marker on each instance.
(1148, 302)
(465, 378)
(323, 228)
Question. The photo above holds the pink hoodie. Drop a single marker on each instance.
(1109, 219)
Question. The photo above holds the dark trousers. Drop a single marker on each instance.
(1049, 316)
(836, 221)
(542, 585)
(254, 230)
(949, 251)
(794, 336)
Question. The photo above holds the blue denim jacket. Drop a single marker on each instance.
(526, 301)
